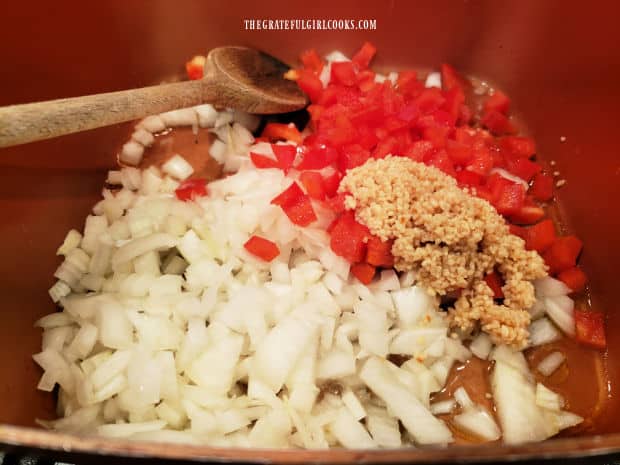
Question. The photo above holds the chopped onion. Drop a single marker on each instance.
(131, 153)
(443, 407)
(182, 117)
(547, 399)
(478, 422)
(178, 167)
(206, 115)
(481, 345)
(560, 310)
(72, 240)
(550, 287)
(433, 80)
(511, 177)
(143, 136)
(542, 331)
(152, 124)
(550, 363)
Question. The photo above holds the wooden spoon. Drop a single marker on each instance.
(234, 77)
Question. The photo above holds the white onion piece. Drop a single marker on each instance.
(542, 331)
(547, 399)
(206, 115)
(560, 310)
(443, 407)
(511, 177)
(182, 117)
(178, 167)
(71, 241)
(125, 430)
(550, 287)
(142, 245)
(247, 120)
(478, 422)
(350, 432)
(143, 137)
(421, 424)
(152, 124)
(131, 153)
(481, 346)
(433, 80)
(218, 150)
(462, 398)
(550, 363)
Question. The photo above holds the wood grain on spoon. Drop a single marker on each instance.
(235, 77)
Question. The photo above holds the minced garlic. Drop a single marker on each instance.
(451, 239)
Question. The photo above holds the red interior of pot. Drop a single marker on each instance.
(557, 60)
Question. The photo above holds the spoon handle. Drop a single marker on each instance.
(30, 122)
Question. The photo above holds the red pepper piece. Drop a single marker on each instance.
(311, 61)
(497, 123)
(310, 84)
(498, 102)
(540, 236)
(495, 282)
(263, 162)
(365, 54)
(288, 197)
(450, 78)
(518, 146)
(301, 213)
(542, 187)
(348, 238)
(279, 131)
(262, 248)
(314, 184)
(574, 278)
(419, 150)
(352, 156)
(195, 67)
(520, 231)
(379, 252)
(563, 253)
(508, 197)
(285, 154)
(482, 162)
(191, 189)
(523, 168)
(467, 178)
(528, 214)
(343, 73)
(331, 183)
(590, 328)
(363, 272)
(336, 203)
(441, 161)
(461, 154)
(316, 157)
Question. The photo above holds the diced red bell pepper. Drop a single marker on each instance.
(518, 146)
(495, 282)
(482, 162)
(363, 272)
(407, 83)
(497, 102)
(430, 100)
(195, 67)
(263, 162)
(288, 197)
(461, 154)
(523, 168)
(191, 189)
(262, 248)
(352, 156)
(455, 98)
(497, 123)
(467, 178)
(279, 131)
(508, 197)
(379, 252)
(341, 131)
(336, 203)
(519, 231)
(343, 73)
(314, 184)
(296, 205)
(311, 61)
(540, 236)
(528, 214)
(316, 157)
(365, 54)
(348, 238)
(331, 183)
(285, 154)
(450, 78)
(542, 187)
(563, 253)
(310, 84)
(419, 150)
(590, 328)
(436, 135)
(441, 161)
(574, 278)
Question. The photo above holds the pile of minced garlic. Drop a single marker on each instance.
(451, 239)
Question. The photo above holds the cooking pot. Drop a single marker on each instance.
(558, 60)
